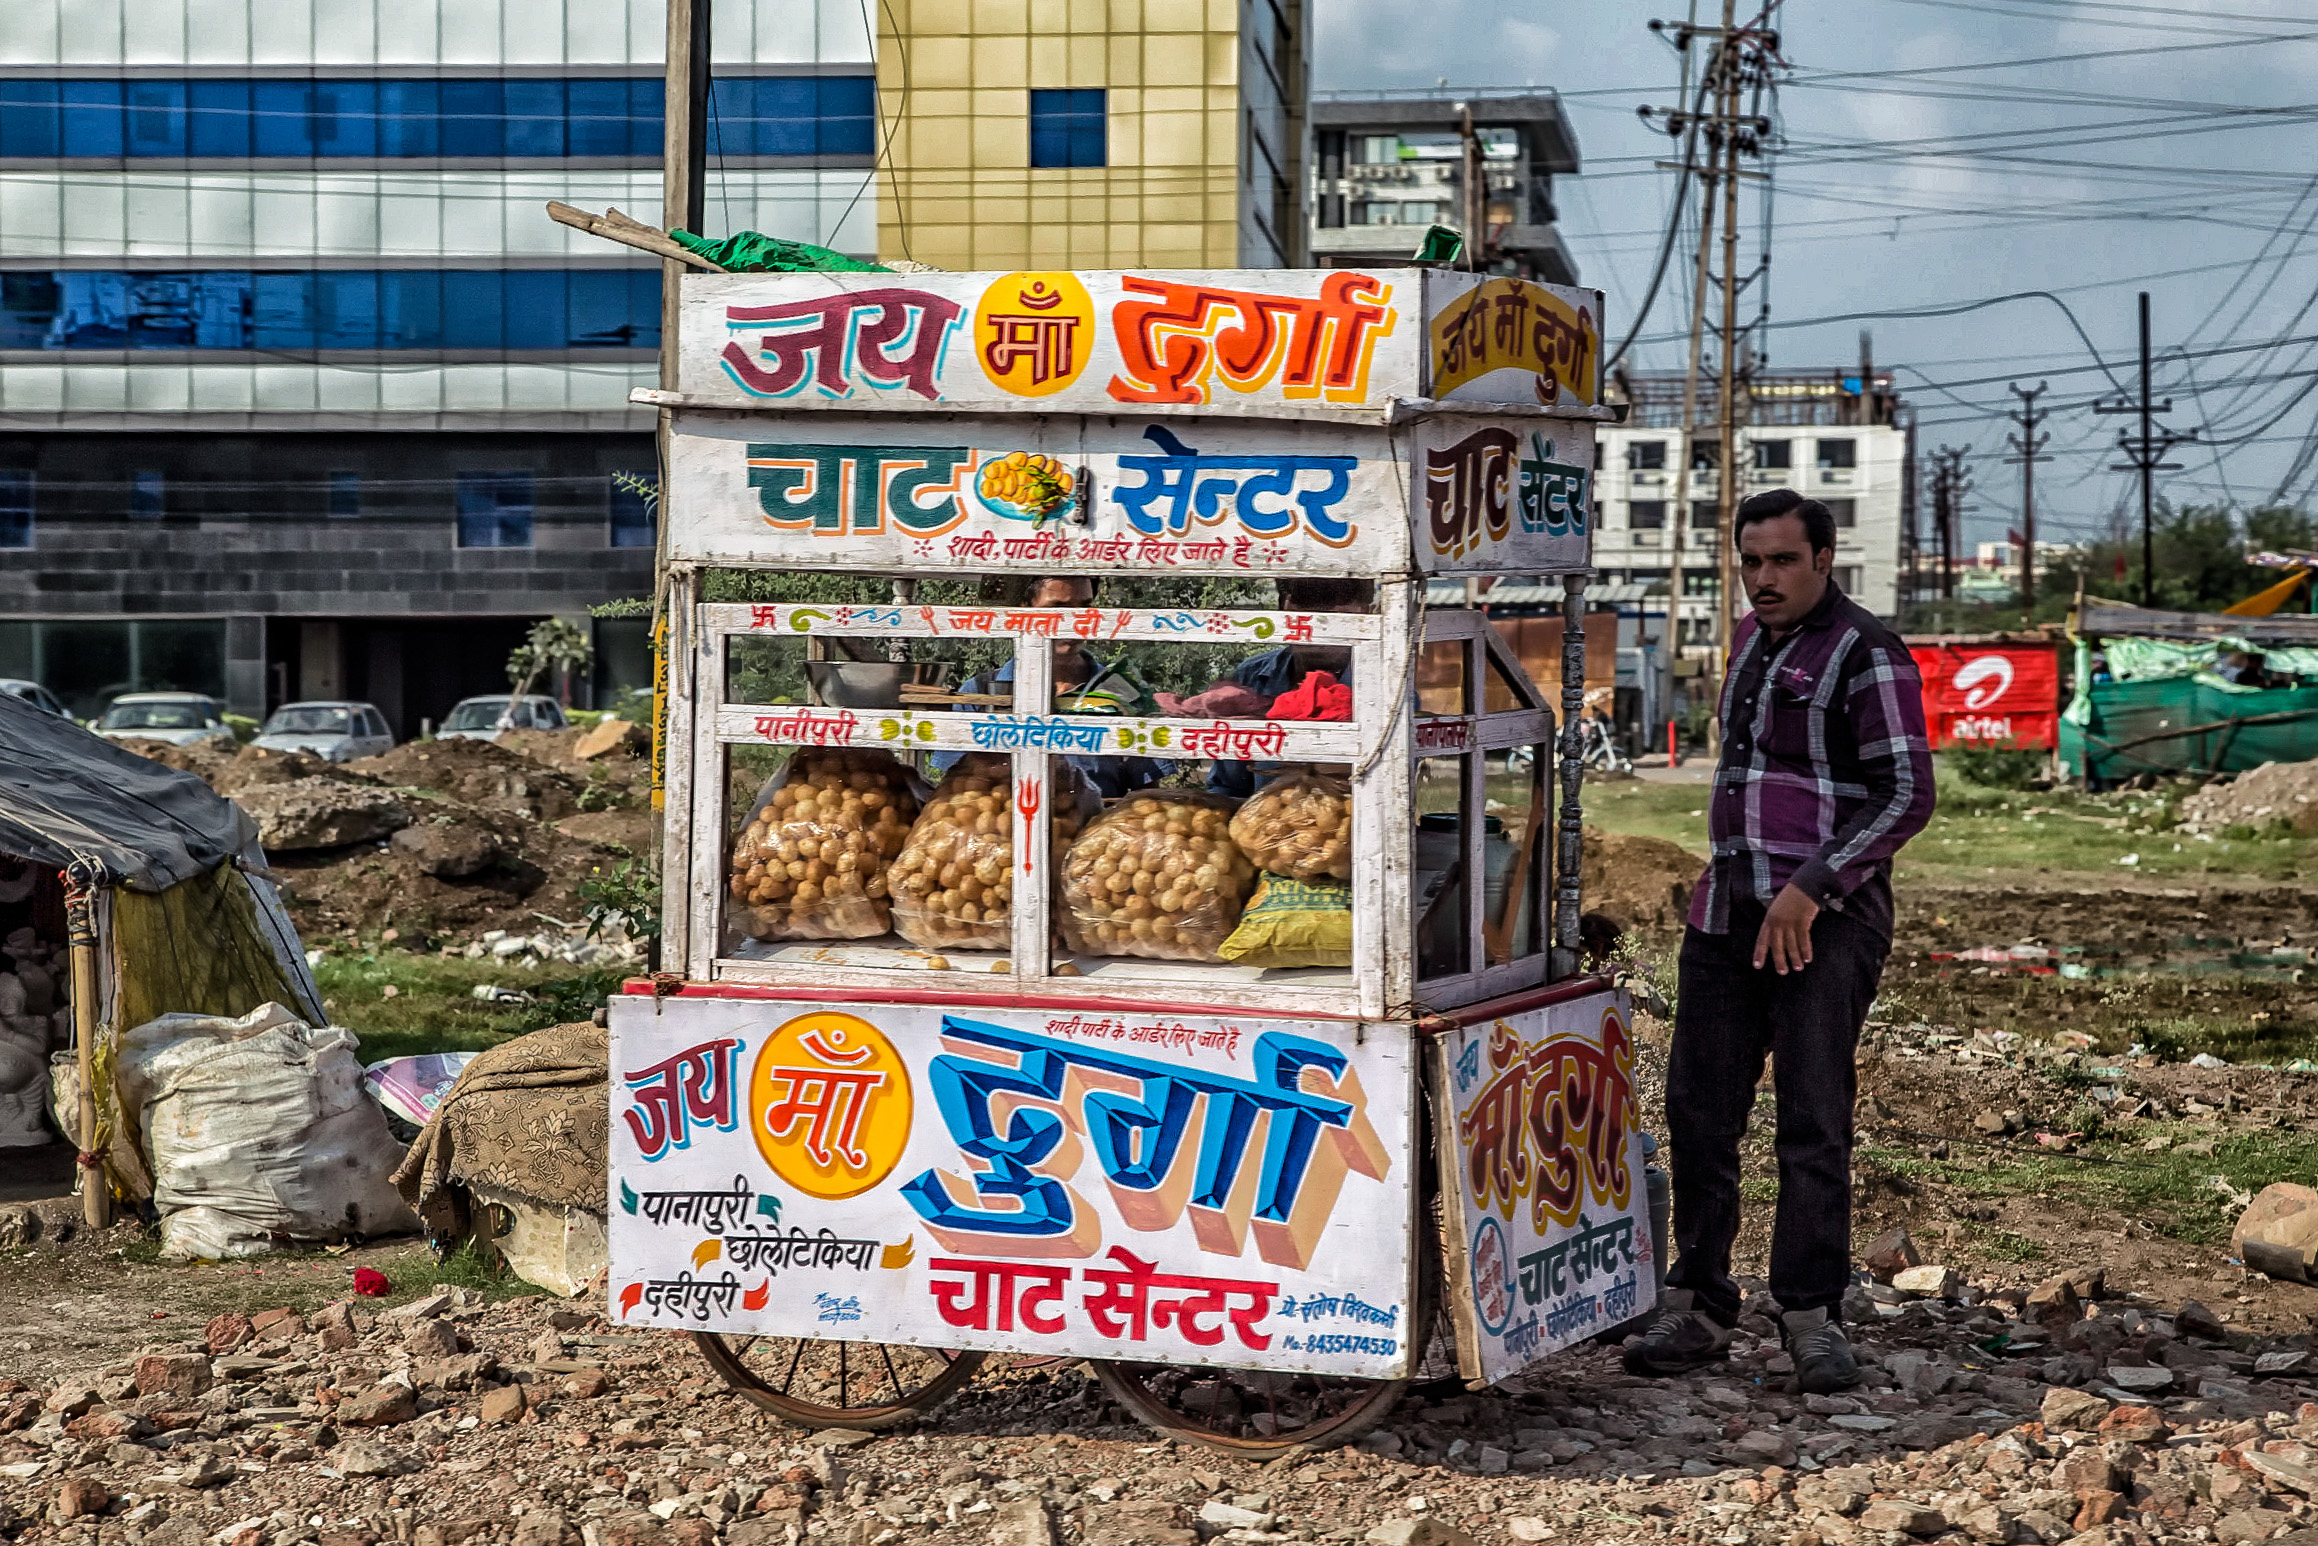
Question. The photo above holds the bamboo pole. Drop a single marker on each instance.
(81, 935)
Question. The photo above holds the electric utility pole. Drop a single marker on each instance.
(1949, 484)
(1741, 57)
(2144, 453)
(2028, 447)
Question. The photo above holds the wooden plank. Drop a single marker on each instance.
(1285, 998)
(2098, 619)
(1034, 777)
(1205, 625)
(711, 788)
(1383, 830)
(911, 730)
(676, 842)
(1456, 1238)
(615, 227)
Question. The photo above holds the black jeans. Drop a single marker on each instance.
(1730, 1013)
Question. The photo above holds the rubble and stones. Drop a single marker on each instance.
(527, 1422)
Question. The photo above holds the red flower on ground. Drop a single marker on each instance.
(371, 1283)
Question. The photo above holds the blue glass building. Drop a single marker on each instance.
(301, 393)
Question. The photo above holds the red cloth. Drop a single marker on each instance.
(1318, 696)
(371, 1283)
(1222, 700)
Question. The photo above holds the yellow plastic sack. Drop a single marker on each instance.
(1293, 923)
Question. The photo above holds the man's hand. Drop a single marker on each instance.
(1785, 939)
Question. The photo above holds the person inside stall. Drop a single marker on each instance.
(1083, 684)
(1297, 681)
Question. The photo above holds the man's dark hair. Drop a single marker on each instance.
(1818, 521)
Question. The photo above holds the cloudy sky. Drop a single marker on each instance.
(1940, 152)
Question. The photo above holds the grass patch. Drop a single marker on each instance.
(2174, 1192)
(305, 1280)
(2004, 1245)
(1978, 830)
(434, 1009)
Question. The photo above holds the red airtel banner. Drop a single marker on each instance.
(1990, 694)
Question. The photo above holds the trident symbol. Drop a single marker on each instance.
(1026, 801)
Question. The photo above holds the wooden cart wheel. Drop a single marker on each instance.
(818, 1384)
(1257, 1414)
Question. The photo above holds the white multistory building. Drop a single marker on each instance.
(1816, 432)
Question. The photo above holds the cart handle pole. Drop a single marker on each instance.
(1569, 848)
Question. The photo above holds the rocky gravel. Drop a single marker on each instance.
(2058, 1411)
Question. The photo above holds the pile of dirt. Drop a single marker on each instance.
(230, 769)
(456, 837)
(2275, 793)
(1639, 883)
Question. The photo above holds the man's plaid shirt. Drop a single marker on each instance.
(1825, 772)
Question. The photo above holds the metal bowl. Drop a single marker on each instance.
(857, 684)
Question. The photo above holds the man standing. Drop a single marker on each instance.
(1825, 773)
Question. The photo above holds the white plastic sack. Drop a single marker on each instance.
(23, 1088)
(258, 1130)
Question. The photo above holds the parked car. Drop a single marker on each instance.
(481, 719)
(331, 730)
(33, 693)
(180, 718)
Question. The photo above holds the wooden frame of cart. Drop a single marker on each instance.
(1043, 1143)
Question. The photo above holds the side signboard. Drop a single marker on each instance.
(1218, 341)
(1130, 494)
(1547, 1217)
(1187, 1190)
(1990, 694)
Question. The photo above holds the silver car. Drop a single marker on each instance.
(332, 731)
(180, 718)
(481, 719)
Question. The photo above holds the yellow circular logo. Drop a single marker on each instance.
(829, 1104)
(1034, 333)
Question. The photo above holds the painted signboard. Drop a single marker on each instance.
(1130, 494)
(1214, 341)
(1513, 340)
(1548, 1217)
(1180, 1189)
(1990, 694)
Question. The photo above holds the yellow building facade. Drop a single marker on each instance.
(1195, 110)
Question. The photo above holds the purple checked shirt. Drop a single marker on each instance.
(1825, 772)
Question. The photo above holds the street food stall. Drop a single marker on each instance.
(1228, 1032)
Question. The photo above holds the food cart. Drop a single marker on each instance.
(950, 1055)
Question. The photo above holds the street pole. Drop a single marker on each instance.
(1681, 513)
(1476, 203)
(683, 202)
(1726, 491)
(2148, 540)
(2143, 453)
(2027, 447)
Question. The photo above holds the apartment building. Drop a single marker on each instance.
(1390, 164)
(1824, 433)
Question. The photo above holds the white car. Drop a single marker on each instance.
(180, 718)
(332, 731)
(481, 719)
(33, 693)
